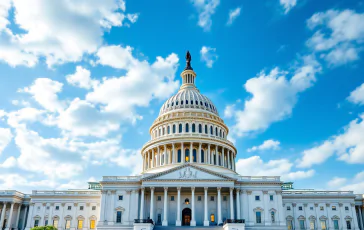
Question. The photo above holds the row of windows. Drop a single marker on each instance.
(192, 103)
(81, 208)
(257, 198)
(187, 201)
(187, 127)
(322, 226)
(80, 224)
(258, 217)
(333, 208)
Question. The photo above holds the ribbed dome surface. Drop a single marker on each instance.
(188, 98)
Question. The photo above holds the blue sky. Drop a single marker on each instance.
(82, 81)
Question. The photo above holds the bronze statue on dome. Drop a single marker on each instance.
(188, 61)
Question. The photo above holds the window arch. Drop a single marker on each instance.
(194, 155)
(200, 128)
(202, 156)
(193, 128)
(180, 128)
(187, 155)
(211, 130)
(220, 133)
(179, 156)
(174, 129)
(206, 129)
(168, 129)
(216, 134)
(187, 128)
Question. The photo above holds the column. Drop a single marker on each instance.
(30, 216)
(238, 204)
(219, 206)
(160, 159)
(103, 206)
(228, 156)
(158, 156)
(153, 158)
(24, 217)
(50, 219)
(178, 219)
(3, 215)
(233, 162)
(250, 207)
(360, 217)
(136, 201)
(231, 203)
(216, 155)
(191, 152)
(182, 154)
(282, 218)
(170, 156)
(17, 217)
(151, 203)
(74, 220)
(9, 221)
(245, 206)
(148, 161)
(165, 220)
(355, 219)
(206, 220)
(223, 156)
(141, 215)
(266, 208)
(173, 154)
(164, 159)
(199, 153)
(193, 220)
(209, 155)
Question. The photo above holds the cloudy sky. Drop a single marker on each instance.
(82, 81)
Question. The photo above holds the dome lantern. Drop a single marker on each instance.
(188, 75)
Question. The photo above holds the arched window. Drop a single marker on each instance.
(200, 128)
(180, 128)
(174, 128)
(202, 156)
(172, 103)
(181, 102)
(220, 133)
(187, 155)
(223, 134)
(206, 129)
(194, 155)
(214, 156)
(179, 156)
(169, 129)
(159, 132)
(191, 102)
(193, 128)
(258, 217)
(220, 160)
(211, 132)
(212, 218)
(186, 102)
(272, 216)
(164, 130)
(187, 128)
(176, 102)
(216, 132)
(187, 201)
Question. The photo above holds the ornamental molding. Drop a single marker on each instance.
(187, 174)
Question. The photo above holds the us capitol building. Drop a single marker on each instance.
(188, 179)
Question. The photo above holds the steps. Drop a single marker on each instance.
(187, 228)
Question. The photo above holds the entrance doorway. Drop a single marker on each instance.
(186, 217)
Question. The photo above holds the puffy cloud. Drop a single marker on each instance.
(129, 158)
(349, 146)
(357, 96)
(18, 118)
(288, 5)
(348, 184)
(233, 14)
(268, 144)
(273, 97)
(44, 91)
(5, 138)
(60, 31)
(255, 166)
(9, 162)
(208, 55)
(81, 78)
(339, 35)
(142, 82)
(205, 9)
(336, 182)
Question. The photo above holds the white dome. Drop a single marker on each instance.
(188, 98)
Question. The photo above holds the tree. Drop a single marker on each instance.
(44, 228)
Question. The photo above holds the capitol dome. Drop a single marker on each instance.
(188, 130)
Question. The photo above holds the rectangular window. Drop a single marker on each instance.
(333, 208)
(257, 197)
(92, 224)
(346, 208)
(323, 225)
(288, 208)
(258, 217)
(81, 208)
(46, 222)
(348, 224)
(69, 207)
(212, 218)
(321, 208)
(224, 198)
(212, 198)
(80, 224)
(302, 224)
(36, 223)
(198, 198)
(120, 197)
(93, 208)
(47, 207)
(172, 198)
(68, 224)
(271, 197)
(57, 207)
(336, 224)
(312, 225)
(311, 208)
(55, 223)
(118, 217)
(300, 208)
(159, 198)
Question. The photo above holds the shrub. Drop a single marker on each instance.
(44, 228)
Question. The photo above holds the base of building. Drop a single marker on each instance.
(178, 223)
(164, 223)
(193, 223)
(143, 226)
(206, 223)
(234, 226)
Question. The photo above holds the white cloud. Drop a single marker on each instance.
(81, 78)
(59, 31)
(349, 146)
(288, 5)
(44, 91)
(255, 166)
(229, 111)
(336, 182)
(273, 97)
(339, 35)
(17, 118)
(129, 158)
(355, 184)
(268, 144)
(233, 14)
(357, 96)
(9, 162)
(205, 8)
(142, 82)
(208, 55)
(5, 138)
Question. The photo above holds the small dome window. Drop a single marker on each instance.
(181, 102)
(176, 102)
(191, 102)
(186, 102)
(172, 103)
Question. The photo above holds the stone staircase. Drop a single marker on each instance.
(187, 228)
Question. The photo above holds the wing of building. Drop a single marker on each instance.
(188, 178)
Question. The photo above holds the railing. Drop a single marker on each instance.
(63, 193)
(260, 178)
(234, 221)
(143, 221)
(310, 192)
(11, 192)
(121, 178)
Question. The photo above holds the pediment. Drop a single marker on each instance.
(188, 172)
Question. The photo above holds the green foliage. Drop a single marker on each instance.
(44, 228)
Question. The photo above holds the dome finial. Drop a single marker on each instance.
(188, 61)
